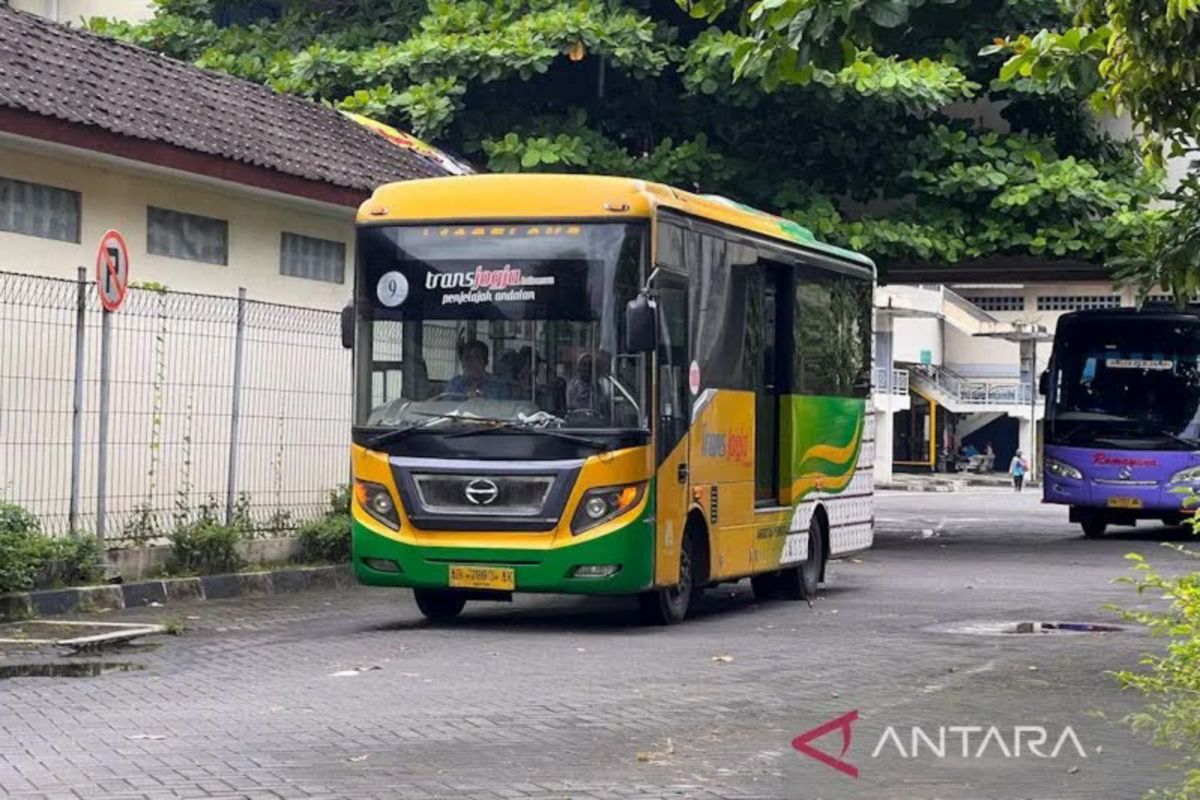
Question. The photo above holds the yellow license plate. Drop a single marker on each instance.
(464, 577)
(1124, 502)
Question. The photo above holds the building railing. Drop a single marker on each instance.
(889, 381)
(973, 391)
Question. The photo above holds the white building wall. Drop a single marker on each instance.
(172, 362)
(976, 356)
(73, 12)
(116, 195)
(981, 357)
(912, 336)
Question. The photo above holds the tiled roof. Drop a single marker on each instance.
(79, 77)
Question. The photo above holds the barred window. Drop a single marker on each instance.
(1169, 299)
(998, 302)
(38, 210)
(315, 259)
(1079, 302)
(187, 236)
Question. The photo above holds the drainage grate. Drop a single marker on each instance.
(1064, 627)
(1011, 628)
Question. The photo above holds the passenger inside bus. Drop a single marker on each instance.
(594, 393)
(475, 380)
(588, 389)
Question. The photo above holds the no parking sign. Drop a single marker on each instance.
(112, 270)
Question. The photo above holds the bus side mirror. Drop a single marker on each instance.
(348, 326)
(641, 325)
(1044, 382)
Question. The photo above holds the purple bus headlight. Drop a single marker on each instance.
(1186, 476)
(1061, 469)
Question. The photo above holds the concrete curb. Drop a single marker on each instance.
(947, 486)
(88, 599)
(918, 487)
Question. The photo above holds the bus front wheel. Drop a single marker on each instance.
(669, 606)
(439, 605)
(1093, 527)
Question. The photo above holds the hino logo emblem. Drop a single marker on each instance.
(1125, 473)
(482, 492)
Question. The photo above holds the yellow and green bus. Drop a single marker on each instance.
(598, 385)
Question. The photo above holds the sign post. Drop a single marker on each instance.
(112, 284)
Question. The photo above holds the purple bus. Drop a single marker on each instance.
(1123, 416)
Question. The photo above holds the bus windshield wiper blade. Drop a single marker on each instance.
(1150, 432)
(399, 433)
(1192, 443)
(526, 428)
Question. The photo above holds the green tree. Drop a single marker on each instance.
(840, 114)
(1171, 678)
(1136, 57)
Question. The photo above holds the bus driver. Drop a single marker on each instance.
(474, 380)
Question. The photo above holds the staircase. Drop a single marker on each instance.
(969, 423)
(970, 395)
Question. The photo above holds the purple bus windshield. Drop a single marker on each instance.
(1123, 414)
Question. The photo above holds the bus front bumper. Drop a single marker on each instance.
(631, 548)
(1123, 502)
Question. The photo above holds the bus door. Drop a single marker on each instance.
(673, 417)
(773, 319)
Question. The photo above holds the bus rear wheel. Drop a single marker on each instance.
(439, 605)
(669, 606)
(1094, 527)
(802, 581)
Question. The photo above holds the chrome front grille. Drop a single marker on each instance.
(483, 495)
(446, 494)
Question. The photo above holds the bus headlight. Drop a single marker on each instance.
(601, 505)
(377, 501)
(1189, 475)
(1061, 469)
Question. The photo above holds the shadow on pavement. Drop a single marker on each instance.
(556, 614)
(1158, 533)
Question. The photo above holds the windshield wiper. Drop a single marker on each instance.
(1192, 443)
(399, 433)
(1069, 436)
(509, 425)
(1149, 432)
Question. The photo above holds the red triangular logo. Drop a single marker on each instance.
(842, 723)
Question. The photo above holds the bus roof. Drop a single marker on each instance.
(1151, 311)
(537, 195)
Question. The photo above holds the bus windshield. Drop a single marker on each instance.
(513, 325)
(1132, 384)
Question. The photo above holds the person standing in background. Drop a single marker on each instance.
(1017, 469)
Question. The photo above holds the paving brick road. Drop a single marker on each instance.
(568, 698)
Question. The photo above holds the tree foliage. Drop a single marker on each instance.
(1136, 57)
(1171, 678)
(841, 114)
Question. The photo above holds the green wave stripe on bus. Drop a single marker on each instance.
(821, 437)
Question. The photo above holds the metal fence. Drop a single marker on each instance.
(216, 405)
